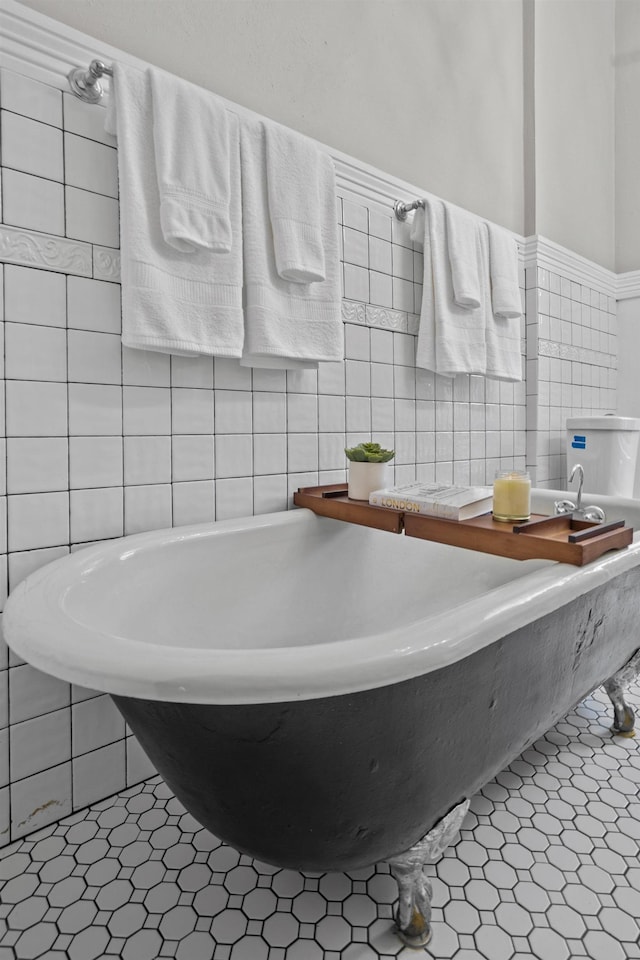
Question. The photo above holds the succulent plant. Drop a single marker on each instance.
(369, 453)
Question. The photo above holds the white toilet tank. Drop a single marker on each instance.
(607, 448)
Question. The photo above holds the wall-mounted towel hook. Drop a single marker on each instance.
(85, 83)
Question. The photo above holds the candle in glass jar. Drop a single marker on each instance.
(512, 495)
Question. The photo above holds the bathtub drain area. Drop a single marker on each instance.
(546, 867)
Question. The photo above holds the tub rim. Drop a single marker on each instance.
(34, 624)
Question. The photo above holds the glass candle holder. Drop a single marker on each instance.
(511, 496)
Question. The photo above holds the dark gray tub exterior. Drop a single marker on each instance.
(342, 782)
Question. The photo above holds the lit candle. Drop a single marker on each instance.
(512, 496)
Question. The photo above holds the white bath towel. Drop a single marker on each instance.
(462, 244)
(172, 302)
(287, 325)
(503, 333)
(299, 203)
(451, 338)
(192, 153)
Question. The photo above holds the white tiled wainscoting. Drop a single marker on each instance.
(100, 440)
(571, 366)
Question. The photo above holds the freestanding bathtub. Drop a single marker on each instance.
(321, 695)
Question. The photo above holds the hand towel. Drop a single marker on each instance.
(172, 302)
(299, 206)
(503, 334)
(451, 338)
(417, 230)
(462, 245)
(426, 342)
(192, 151)
(287, 325)
(505, 286)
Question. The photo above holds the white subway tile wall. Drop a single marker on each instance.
(104, 441)
(571, 366)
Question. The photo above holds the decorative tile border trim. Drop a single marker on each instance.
(45, 251)
(106, 264)
(387, 319)
(567, 351)
(353, 312)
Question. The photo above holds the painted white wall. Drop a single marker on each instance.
(627, 76)
(628, 329)
(575, 125)
(428, 90)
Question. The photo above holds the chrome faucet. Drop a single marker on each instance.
(593, 513)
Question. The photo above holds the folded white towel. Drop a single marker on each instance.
(417, 230)
(505, 286)
(287, 325)
(426, 343)
(451, 338)
(462, 244)
(299, 206)
(503, 334)
(191, 140)
(172, 302)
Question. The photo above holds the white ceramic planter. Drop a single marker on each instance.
(366, 477)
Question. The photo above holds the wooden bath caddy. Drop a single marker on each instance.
(563, 539)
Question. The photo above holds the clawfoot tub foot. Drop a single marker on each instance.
(624, 719)
(414, 907)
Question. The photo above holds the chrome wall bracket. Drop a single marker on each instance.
(85, 84)
(413, 919)
(401, 209)
(615, 687)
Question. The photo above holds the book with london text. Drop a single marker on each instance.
(436, 500)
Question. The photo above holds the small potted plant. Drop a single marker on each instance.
(367, 469)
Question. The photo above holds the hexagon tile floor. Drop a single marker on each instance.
(546, 867)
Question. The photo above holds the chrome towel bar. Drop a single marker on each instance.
(86, 85)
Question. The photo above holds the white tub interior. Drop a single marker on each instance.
(280, 586)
